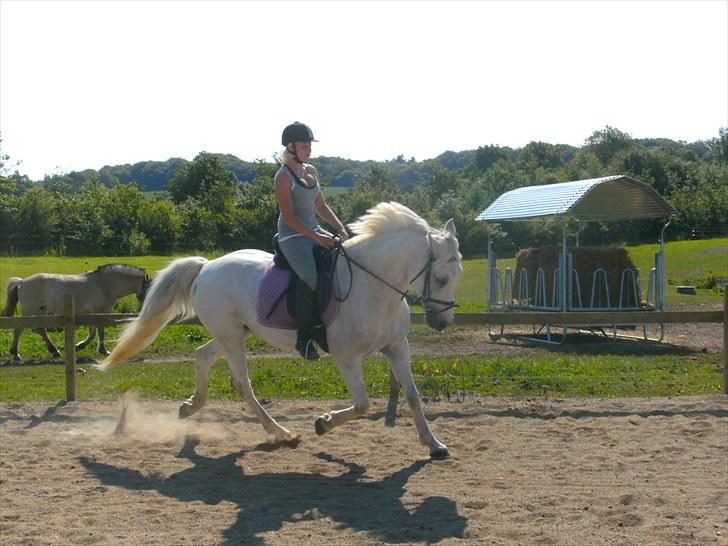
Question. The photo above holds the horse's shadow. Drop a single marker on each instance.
(266, 501)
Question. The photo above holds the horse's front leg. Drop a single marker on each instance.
(42, 332)
(399, 361)
(205, 357)
(89, 338)
(352, 373)
(238, 364)
(102, 346)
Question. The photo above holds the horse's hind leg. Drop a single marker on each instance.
(399, 361)
(42, 332)
(352, 373)
(238, 364)
(205, 357)
(14, 347)
(91, 335)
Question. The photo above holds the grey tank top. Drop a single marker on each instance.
(304, 208)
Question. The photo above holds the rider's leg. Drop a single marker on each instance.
(299, 253)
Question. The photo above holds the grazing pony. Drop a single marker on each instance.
(93, 292)
(393, 250)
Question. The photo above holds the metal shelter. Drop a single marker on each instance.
(605, 199)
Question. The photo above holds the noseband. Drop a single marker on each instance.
(426, 270)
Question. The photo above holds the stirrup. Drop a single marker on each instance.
(307, 349)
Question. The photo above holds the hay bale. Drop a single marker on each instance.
(586, 260)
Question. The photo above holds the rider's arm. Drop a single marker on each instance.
(325, 212)
(330, 217)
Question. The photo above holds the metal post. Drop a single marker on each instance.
(563, 274)
(661, 272)
(69, 325)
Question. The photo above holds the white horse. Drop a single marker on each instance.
(394, 250)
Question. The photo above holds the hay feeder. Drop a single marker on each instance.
(556, 278)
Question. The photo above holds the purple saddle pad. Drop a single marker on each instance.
(274, 283)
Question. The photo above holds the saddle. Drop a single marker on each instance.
(277, 293)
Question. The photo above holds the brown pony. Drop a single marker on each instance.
(93, 292)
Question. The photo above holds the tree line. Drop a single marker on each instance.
(218, 203)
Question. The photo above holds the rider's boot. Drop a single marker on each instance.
(318, 331)
(306, 316)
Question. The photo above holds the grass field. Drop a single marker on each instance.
(703, 264)
(568, 374)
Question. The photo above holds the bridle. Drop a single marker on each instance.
(426, 270)
(142, 293)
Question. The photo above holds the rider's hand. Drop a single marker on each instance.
(325, 241)
(343, 235)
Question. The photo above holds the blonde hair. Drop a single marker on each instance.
(286, 154)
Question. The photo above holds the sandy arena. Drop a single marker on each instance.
(522, 471)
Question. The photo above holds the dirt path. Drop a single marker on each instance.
(522, 471)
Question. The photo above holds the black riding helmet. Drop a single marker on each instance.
(297, 132)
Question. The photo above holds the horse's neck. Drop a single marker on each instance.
(389, 256)
(117, 284)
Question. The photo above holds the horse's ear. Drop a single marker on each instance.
(449, 228)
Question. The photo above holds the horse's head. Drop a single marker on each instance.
(141, 293)
(440, 277)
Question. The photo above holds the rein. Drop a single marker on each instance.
(427, 268)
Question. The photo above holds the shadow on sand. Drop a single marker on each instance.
(268, 500)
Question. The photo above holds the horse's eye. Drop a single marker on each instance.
(453, 259)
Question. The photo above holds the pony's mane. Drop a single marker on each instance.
(121, 268)
(386, 217)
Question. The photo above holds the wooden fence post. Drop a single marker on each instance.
(725, 339)
(69, 325)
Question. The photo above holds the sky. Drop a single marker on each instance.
(86, 84)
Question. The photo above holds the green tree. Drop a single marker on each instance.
(160, 222)
(198, 226)
(36, 220)
(377, 186)
(198, 177)
(719, 146)
(607, 143)
(487, 156)
(121, 206)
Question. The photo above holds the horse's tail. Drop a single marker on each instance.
(167, 299)
(12, 301)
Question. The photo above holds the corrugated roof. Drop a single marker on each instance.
(596, 199)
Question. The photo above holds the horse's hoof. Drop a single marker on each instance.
(439, 453)
(17, 358)
(104, 352)
(185, 410)
(322, 424)
(290, 441)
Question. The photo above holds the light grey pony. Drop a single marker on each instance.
(93, 292)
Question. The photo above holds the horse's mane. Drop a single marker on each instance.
(386, 217)
(121, 268)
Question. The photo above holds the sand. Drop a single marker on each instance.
(521, 471)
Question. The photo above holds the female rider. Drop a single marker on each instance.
(299, 199)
